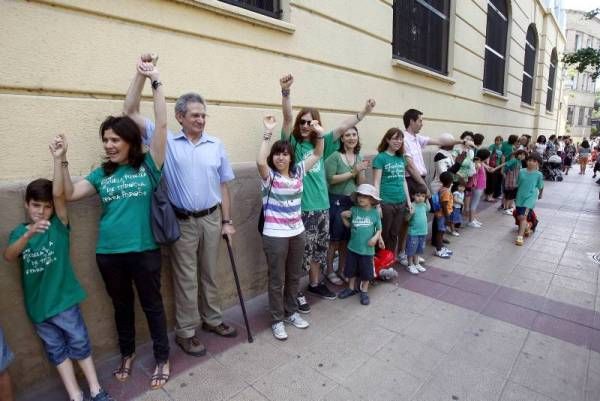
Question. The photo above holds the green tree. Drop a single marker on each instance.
(585, 58)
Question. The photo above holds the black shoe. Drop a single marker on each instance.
(303, 306)
(445, 241)
(322, 291)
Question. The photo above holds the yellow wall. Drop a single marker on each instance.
(66, 64)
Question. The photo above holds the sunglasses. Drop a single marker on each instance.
(305, 122)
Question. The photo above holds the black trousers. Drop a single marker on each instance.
(142, 269)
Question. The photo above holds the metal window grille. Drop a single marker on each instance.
(581, 115)
(495, 46)
(529, 65)
(551, 82)
(570, 112)
(270, 8)
(421, 33)
(589, 117)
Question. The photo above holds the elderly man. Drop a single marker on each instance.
(197, 172)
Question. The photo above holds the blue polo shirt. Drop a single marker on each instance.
(194, 171)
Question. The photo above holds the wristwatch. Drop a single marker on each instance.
(156, 84)
(227, 221)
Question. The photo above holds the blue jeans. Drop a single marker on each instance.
(65, 336)
(6, 355)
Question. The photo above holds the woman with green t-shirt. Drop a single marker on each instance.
(344, 169)
(389, 168)
(126, 252)
(315, 202)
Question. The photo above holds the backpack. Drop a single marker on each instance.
(436, 205)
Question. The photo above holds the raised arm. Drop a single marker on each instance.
(72, 192)
(131, 107)
(159, 141)
(286, 105)
(263, 152)
(354, 120)
(58, 149)
(311, 160)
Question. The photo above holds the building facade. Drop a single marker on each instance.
(580, 89)
(488, 66)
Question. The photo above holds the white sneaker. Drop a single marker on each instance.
(420, 268)
(454, 233)
(478, 222)
(508, 212)
(448, 251)
(412, 269)
(402, 259)
(421, 260)
(279, 331)
(442, 254)
(472, 224)
(295, 320)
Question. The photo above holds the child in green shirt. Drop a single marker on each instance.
(417, 230)
(530, 188)
(365, 232)
(52, 292)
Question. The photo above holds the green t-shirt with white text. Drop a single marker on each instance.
(314, 195)
(49, 283)
(126, 197)
(391, 188)
(529, 185)
(363, 225)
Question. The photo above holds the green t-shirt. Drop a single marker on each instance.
(49, 284)
(507, 149)
(498, 150)
(126, 196)
(314, 196)
(512, 164)
(363, 226)
(335, 165)
(391, 188)
(417, 224)
(529, 185)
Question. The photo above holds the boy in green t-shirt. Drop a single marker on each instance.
(530, 188)
(51, 290)
(417, 230)
(365, 232)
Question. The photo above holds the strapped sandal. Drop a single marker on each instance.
(161, 377)
(123, 371)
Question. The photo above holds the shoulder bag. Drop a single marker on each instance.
(165, 226)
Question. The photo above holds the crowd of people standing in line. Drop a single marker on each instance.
(317, 206)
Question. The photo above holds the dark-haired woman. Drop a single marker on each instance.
(584, 155)
(344, 169)
(126, 252)
(283, 231)
(315, 202)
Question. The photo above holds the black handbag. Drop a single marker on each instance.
(165, 226)
(261, 218)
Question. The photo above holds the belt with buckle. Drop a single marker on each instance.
(186, 214)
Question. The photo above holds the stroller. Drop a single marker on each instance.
(552, 168)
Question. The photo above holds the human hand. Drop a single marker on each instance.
(315, 126)
(149, 58)
(369, 106)
(286, 81)
(269, 122)
(372, 242)
(58, 147)
(227, 230)
(380, 243)
(410, 208)
(37, 228)
(148, 69)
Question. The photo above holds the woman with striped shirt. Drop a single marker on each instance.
(283, 231)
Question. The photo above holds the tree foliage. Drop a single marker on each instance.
(586, 58)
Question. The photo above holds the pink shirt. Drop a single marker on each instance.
(413, 147)
(480, 178)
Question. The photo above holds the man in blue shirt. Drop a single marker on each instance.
(197, 172)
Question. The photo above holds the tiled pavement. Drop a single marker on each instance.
(494, 322)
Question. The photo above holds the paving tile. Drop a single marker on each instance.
(363, 335)
(516, 392)
(510, 313)
(464, 299)
(425, 287)
(569, 296)
(575, 284)
(440, 276)
(248, 394)
(460, 380)
(294, 381)
(389, 383)
(411, 355)
(592, 386)
(563, 329)
(580, 274)
(569, 312)
(440, 333)
(541, 265)
(520, 298)
(476, 286)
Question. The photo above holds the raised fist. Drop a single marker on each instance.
(58, 146)
(269, 122)
(286, 81)
(370, 105)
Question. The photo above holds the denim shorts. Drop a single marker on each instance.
(440, 223)
(65, 336)
(521, 211)
(456, 216)
(359, 265)
(337, 230)
(415, 245)
(6, 355)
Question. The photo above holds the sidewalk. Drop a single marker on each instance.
(494, 322)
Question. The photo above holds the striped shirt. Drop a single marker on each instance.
(283, 209)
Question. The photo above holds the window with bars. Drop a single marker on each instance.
(270, 8)
(529, 65)
(589, 117)
(570, 113)
(552, 81)
(581, 115)
(421, 33)
(495, 46)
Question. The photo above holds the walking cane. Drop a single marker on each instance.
(239, 289)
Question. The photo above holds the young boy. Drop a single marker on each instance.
(511, 175)
(52, 292)
(6, 357)
(530, 188)
(417, 230)
(441, 214)
(365, 232)
(458, 200)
